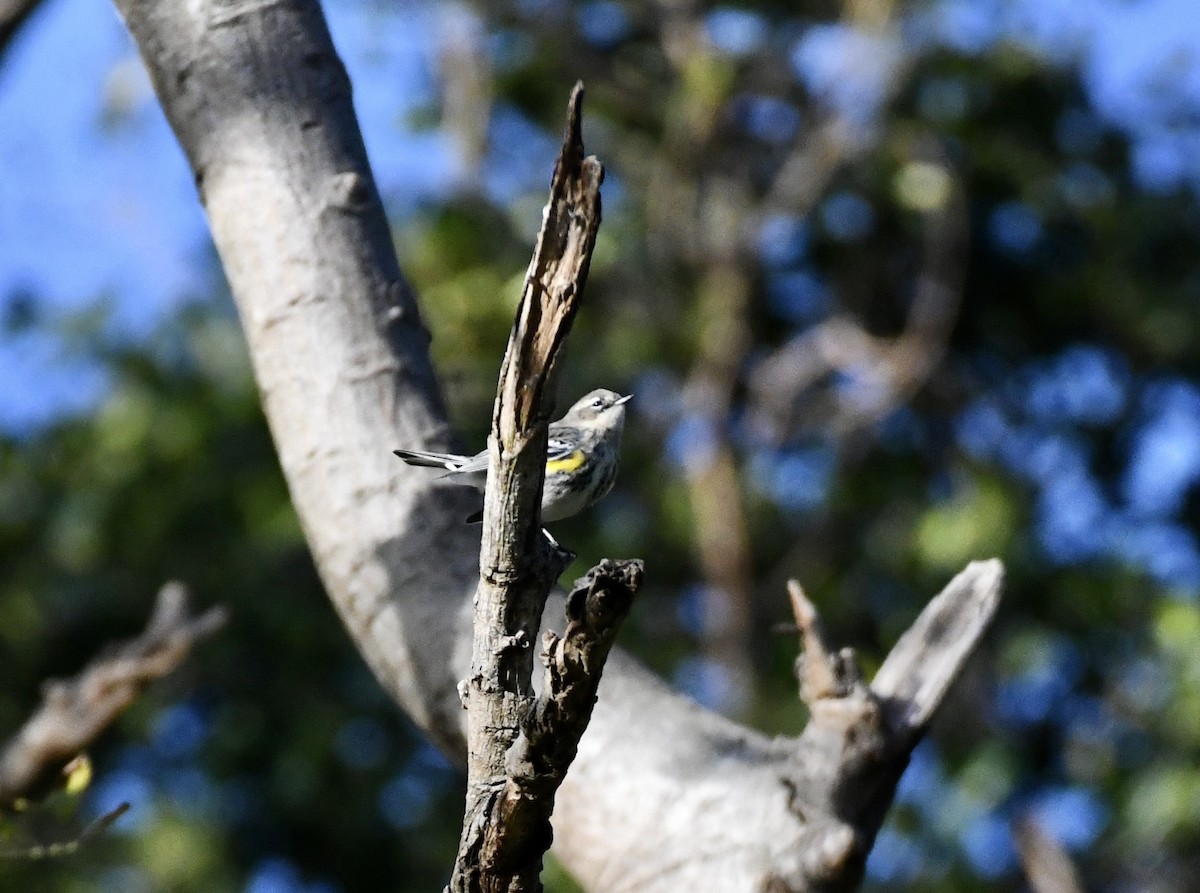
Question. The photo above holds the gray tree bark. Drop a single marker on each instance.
(663, 796)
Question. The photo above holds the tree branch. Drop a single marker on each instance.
(859, 738)
(75, 711)
(518, 564)
(261, 105)
(538, 760)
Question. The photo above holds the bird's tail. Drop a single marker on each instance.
(448, 461)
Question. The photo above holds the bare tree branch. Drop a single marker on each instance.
(859, 738)
(261, 105)
(518, 564)
(1048, 867)
(551, 729)
(75, 711)
(921, 667)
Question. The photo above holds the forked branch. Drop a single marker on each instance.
(859, 738)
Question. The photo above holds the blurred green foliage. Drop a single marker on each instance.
(274, 738)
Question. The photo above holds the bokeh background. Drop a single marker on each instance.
(896, 283)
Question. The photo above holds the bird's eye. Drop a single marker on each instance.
(598, 403)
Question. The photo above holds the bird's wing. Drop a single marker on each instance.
(563, 453)
(561, 444)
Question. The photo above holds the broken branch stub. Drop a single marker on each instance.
(550, 732)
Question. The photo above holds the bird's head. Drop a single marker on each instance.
(600, 407)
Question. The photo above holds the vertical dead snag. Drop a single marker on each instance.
(506, 828)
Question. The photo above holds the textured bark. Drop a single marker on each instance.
(663, 796)
(553, 725)
(76, 711)
(501, 848)
(261, 104)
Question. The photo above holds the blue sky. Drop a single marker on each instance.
(97, 206)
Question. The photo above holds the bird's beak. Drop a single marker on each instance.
(624, 399)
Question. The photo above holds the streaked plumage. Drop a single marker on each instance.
(582, 456)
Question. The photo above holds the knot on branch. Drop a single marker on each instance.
(603, 595)
(518, 641)
(349, 191)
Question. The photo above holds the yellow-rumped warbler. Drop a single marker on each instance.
(581, 457)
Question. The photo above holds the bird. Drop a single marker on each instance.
(582, 456)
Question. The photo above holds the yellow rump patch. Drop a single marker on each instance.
(566, 463)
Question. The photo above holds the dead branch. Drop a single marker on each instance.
(538, 760)
(75, 711)
(518, 564)
(859, 738)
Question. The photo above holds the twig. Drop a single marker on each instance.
(517, 564)
(66, 847)
(75, 711)
(822, 673)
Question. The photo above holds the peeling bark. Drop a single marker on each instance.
(519, 747)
